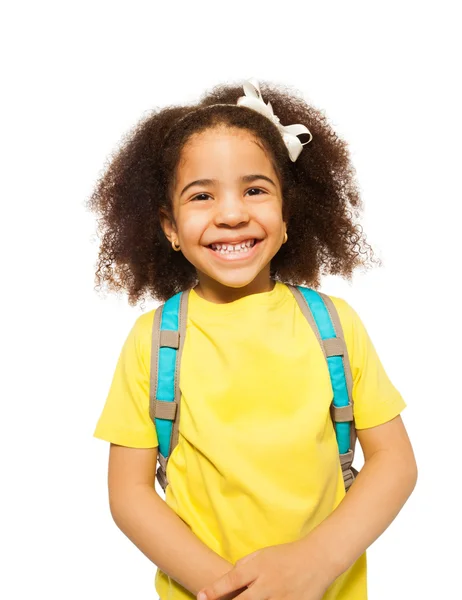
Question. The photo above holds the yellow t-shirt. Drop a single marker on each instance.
(257, 459)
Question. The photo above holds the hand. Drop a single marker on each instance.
(291, 571)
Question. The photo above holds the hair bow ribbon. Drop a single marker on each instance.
(290, 133)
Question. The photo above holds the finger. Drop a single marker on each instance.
(250, 593)
(246, 559)
(234, 580)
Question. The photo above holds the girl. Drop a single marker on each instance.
(223, 200)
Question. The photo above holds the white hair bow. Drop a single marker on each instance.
(290, 133)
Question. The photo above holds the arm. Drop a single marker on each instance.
(389, 474)
(143, 516)
(304, 570)
(375, 498)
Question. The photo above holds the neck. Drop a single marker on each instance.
(216, 292)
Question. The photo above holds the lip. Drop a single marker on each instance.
(236, 256)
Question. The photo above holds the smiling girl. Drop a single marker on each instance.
(230, 232)
(222, 200)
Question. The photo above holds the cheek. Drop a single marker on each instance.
(191, 226)
(271, 219)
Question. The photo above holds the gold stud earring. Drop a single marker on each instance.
(175, 247)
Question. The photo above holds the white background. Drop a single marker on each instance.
(76, 77)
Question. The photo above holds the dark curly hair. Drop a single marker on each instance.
(321, 200)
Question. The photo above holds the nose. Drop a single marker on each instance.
(231, 210)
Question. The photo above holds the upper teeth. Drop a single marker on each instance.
(233, 247)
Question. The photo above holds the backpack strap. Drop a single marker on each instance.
(321, 314)
(168, 335)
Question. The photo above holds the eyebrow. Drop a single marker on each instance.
(245, 179)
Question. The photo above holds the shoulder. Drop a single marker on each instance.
(143, 324)
(361, 350)
(348, 316)
(354, 331)
(139, 338)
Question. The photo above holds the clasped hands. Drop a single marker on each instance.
(293, 571)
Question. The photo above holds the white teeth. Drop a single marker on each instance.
(227, 248)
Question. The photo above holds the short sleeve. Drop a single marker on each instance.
(125, 418)
(375, 398)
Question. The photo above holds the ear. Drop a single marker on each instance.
(168, 226)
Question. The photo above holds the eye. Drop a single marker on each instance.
(198, 197)
(205, 196)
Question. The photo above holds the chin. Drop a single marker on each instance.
(235, 283)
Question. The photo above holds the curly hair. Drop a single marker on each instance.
(321, 200)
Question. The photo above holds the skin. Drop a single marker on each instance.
(226, 210)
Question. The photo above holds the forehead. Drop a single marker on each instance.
(225, 151)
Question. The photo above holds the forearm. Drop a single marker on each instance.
(377, 495)
(166, 540)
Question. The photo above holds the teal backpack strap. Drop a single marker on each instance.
(322, 315)
(168, 335)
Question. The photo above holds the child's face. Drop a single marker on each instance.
(227, 210)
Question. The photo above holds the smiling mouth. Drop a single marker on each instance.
(241, 247)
